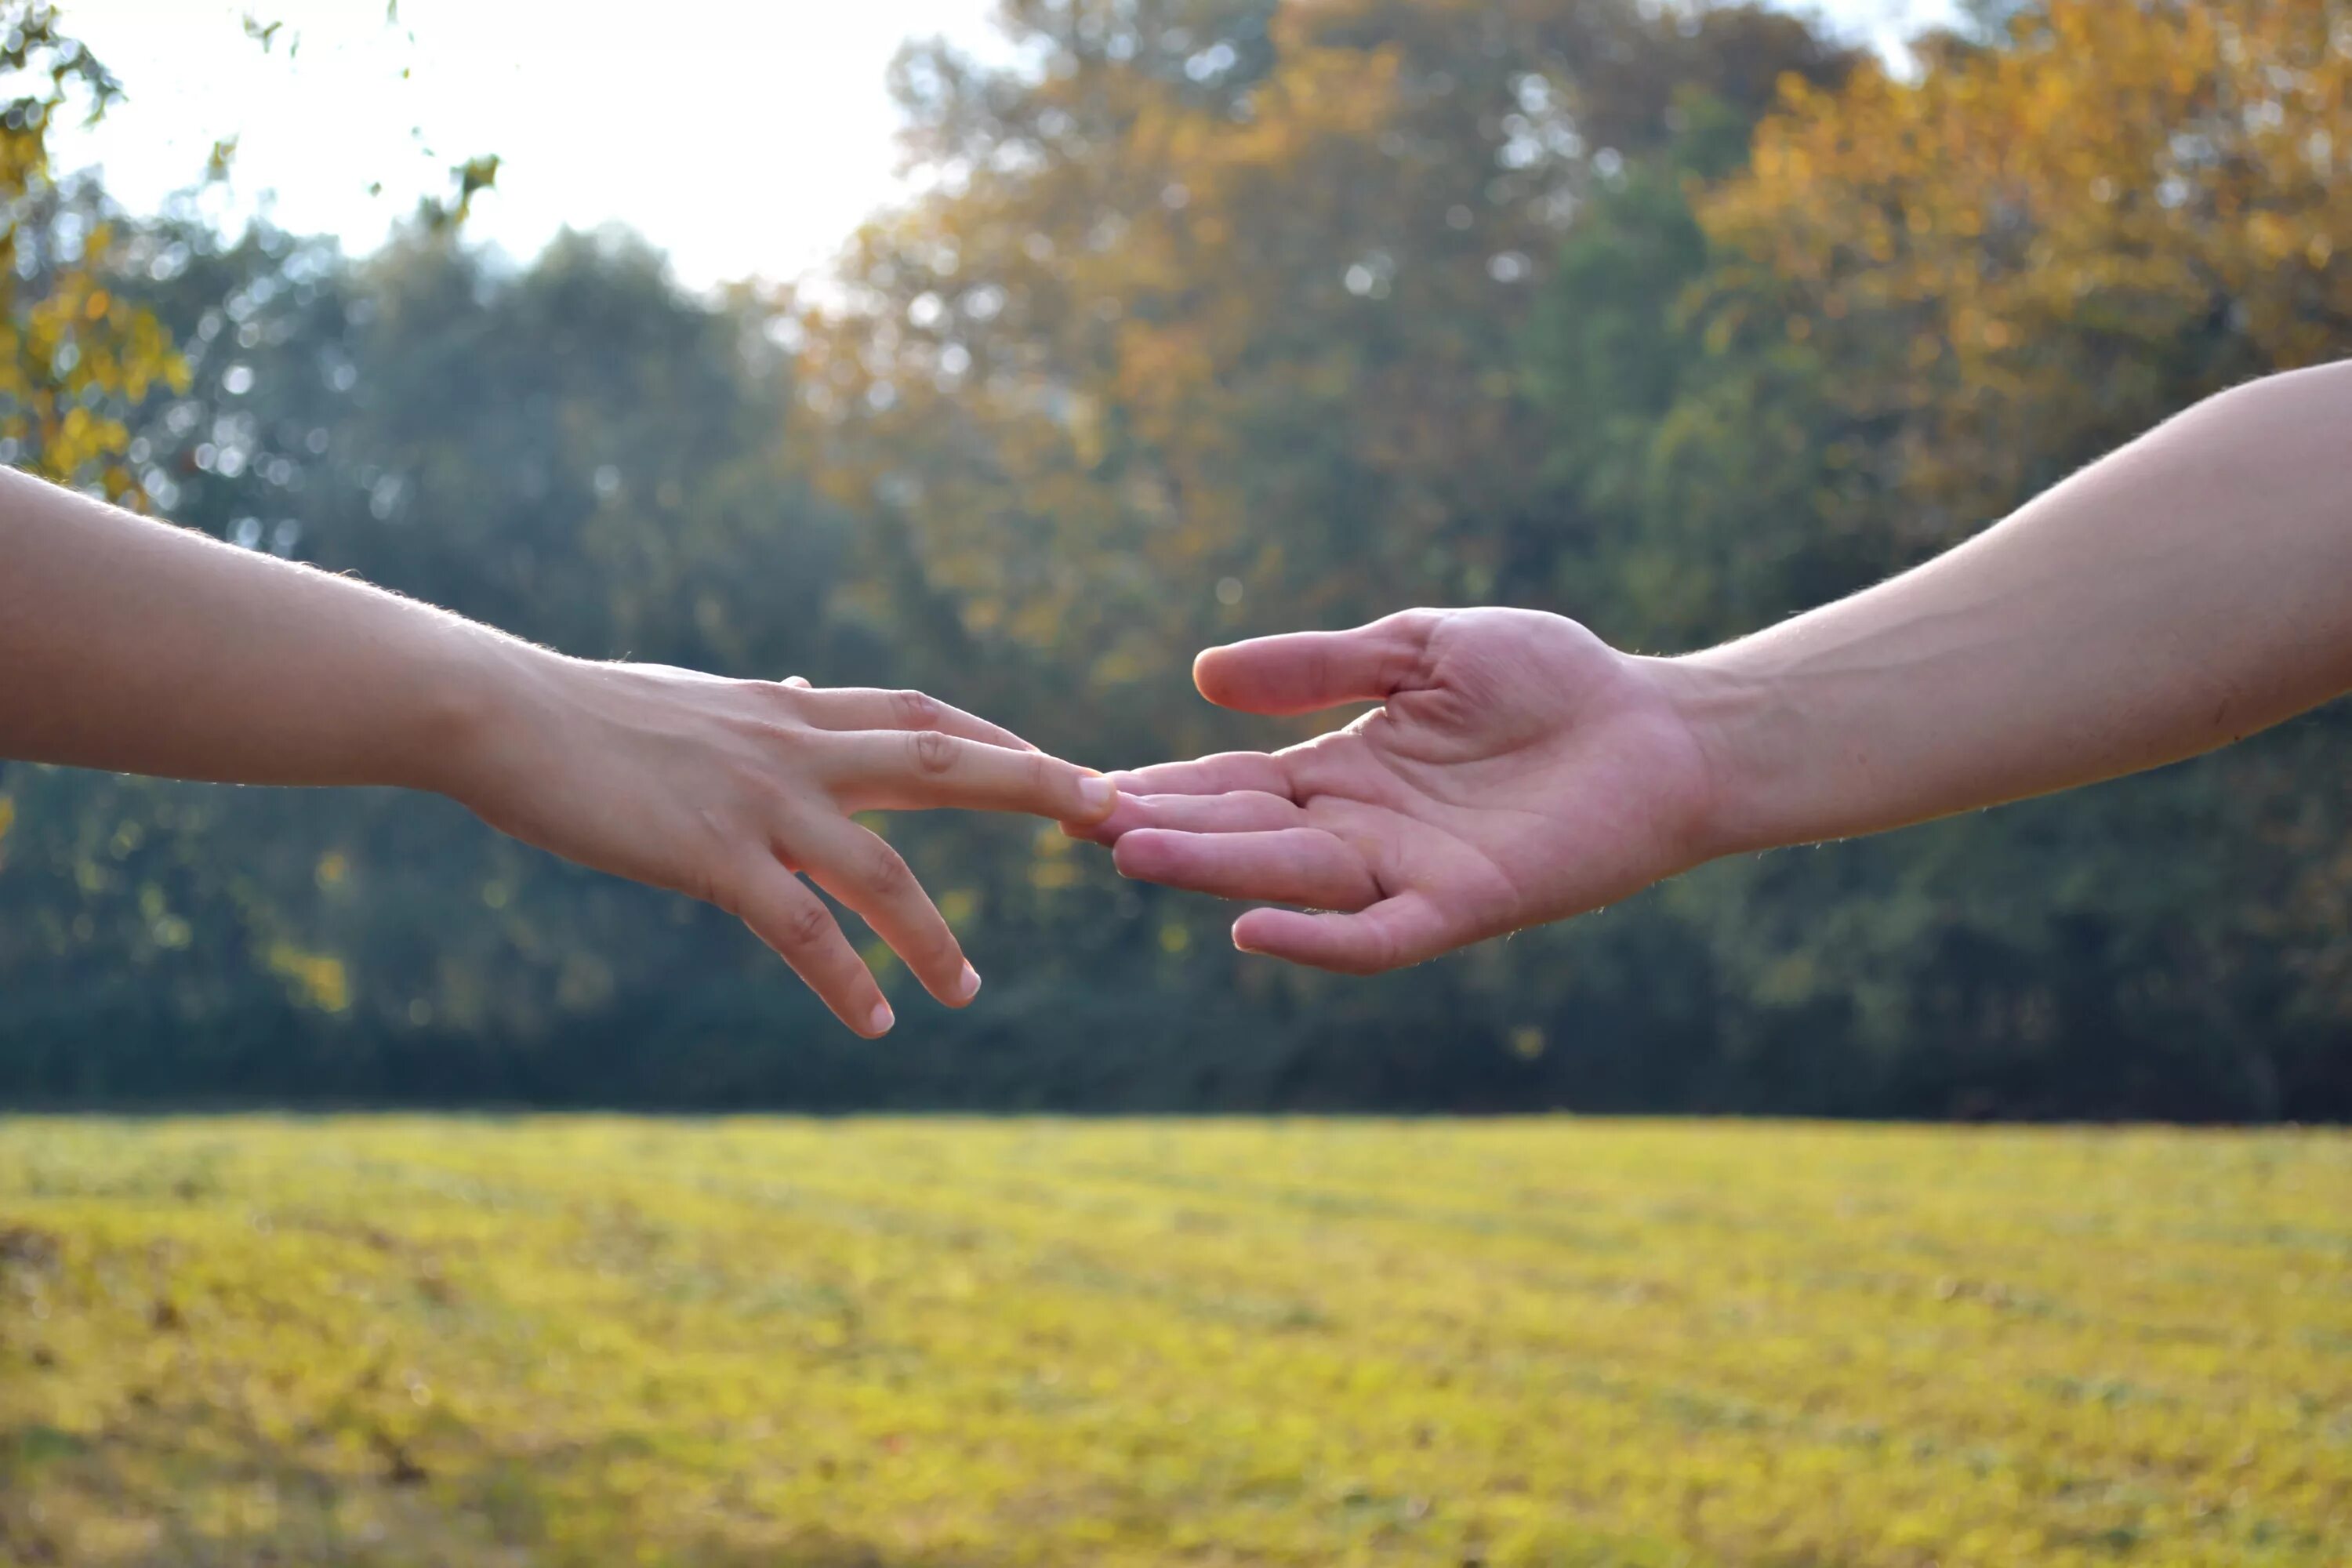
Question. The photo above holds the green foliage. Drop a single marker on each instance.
(1221, 317)
(518, 447)
(1533, 1343)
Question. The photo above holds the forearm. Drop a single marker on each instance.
(2189, 590)
(135, 646)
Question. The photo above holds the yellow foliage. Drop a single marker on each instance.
(1055, 375)
(2007, 257)
(320, 980)
(1526, 1342)
(959, 907)
(71, 351)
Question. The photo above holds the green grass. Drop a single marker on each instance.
(911, 1344)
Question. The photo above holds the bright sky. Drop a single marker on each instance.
(746, 139)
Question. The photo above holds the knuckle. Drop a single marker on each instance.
(882, 871)
(768, 736)
(916, 709)
(933, 752)
(806, 926)
(1406, 664)
(763, 697)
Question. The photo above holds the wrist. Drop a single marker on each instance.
(477, 701)
(1747, 733)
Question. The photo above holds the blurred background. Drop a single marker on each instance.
(1016, 351)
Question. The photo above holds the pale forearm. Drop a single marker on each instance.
(2187, 591)
(131, 646)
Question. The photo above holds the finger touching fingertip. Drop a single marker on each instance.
(1100, 798)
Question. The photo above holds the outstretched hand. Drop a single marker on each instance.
(725, 789)
(1518, 770)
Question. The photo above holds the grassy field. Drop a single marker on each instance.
(912, 1343)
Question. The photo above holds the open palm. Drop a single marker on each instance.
(1518, 770)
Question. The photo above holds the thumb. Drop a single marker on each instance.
(1300, 672)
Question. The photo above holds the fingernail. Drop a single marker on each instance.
(969, 986)
(880, 1023)
(1099, 794)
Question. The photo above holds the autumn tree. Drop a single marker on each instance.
(1923, 300)
(2049, 242)
(73, 349)
(1215, 316)
(1213, 320)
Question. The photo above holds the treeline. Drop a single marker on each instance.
(1221, 316)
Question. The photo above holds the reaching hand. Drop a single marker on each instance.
(724, 789)
(1518, 770)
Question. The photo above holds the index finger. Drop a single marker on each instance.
(1220, 775)
(868, 708)
(877, 770)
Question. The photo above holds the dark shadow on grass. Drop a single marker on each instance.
(459, 1502)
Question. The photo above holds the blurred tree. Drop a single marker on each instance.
(577, 453)
(1214, 318)
(71, 348)
(1219, 315)
(1923, 302)
(2041, 247)
(1215, 323)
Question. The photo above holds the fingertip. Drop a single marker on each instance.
(1099, 798)
(969, 986)
(1137, 856)
(1250, 933)
(1205, 669)
(879, 1021)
